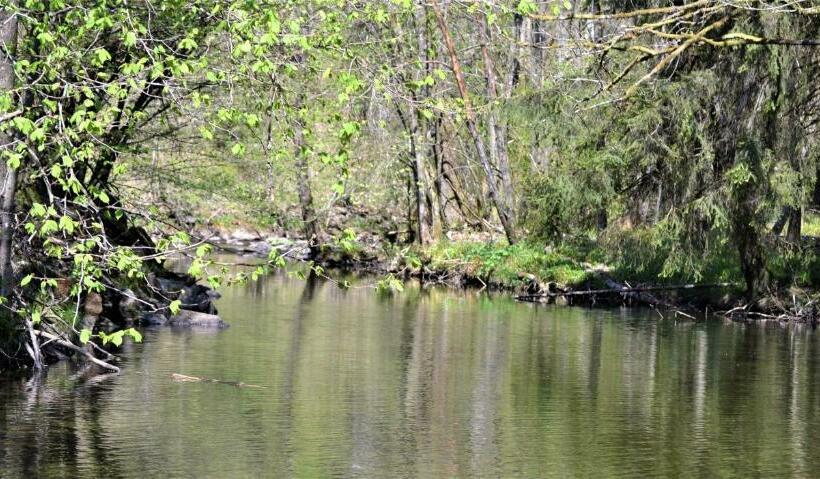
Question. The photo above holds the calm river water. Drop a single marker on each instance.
(428, 384)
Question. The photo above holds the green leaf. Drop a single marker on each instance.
(85, 335)
(206, 133)
(174, 306)
(130, 39)
(14, 160)
(135, 335)
(526, 7)
(238, 149)
(67, 224)
(187, 44)
(27, 279)
(48, 227)
(101, 55)
(38, 210)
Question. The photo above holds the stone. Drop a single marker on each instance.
(93, 304)
(260, 247)
(244, 235)
(188, 318)
(199, 298)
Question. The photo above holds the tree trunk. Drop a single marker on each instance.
(752, 262)
(419, 175)
(418, 182)
(420, 131)
(794, 230)
(438, 179)
(780, 223)
(510, 82)
(303, 182)
(8, 43)
(496, 128)
(815, 197)
(481, 150)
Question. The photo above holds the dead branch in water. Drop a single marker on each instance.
(196, 379)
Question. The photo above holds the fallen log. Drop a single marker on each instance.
(616, 288)
(623, 289)
(182, 378)
(639, 296)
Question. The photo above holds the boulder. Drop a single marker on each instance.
(199, 298)
(188, 318)
(260, 247)
(170, 281)
(244, 235)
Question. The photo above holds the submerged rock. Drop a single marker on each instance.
(188, 318)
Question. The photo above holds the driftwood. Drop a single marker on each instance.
(195, 379)
(805, 313)
(34, 347)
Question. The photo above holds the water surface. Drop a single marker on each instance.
(432, 384)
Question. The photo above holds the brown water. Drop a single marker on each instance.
(428, 384)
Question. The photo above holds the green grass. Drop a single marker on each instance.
(811, 224)
(499, 264)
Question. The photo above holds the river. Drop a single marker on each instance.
(427, 383)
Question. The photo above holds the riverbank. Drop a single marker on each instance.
(91, 328)
(581, 273)
(565, 276)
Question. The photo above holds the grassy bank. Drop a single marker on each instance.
(500, 265)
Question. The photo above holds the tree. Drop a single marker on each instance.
(503, 214)
(8, 170)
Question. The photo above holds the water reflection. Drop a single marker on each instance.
(427, 384)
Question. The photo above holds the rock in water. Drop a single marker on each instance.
(199, 298)
(189, 318)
